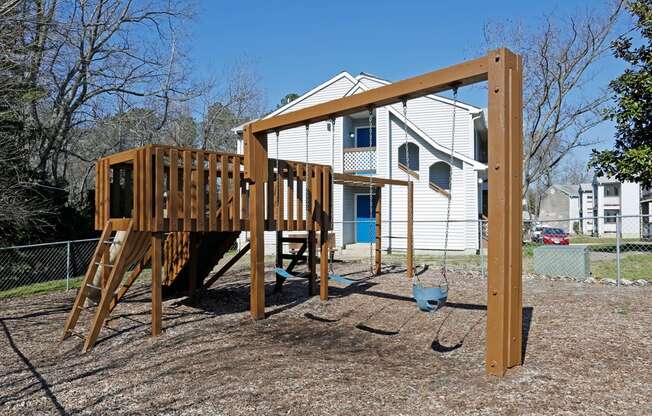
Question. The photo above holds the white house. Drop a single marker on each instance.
(595, 206)
(612, 198)
(560, 207)
(385, 152)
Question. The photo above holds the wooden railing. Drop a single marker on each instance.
(169, 189)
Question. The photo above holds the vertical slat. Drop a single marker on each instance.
(98, 190)
(137, 191)
(144, 226)
(149, 189)
(159, 189)
(173, 196)
(236, 193)
(317, 200)
(280, 198)
(187, 190)
(212, 191)
(300, 197)
(225, 192)
(290, 200)
(270, 213)
(309, 197)
(105, 191)
(201, 190)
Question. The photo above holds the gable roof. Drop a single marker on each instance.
(358, 84)
(568, 189)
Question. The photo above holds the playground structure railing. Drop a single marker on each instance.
(165, 188)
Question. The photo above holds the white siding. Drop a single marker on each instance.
(435, 119)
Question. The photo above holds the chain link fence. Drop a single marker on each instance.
(39, 268)
(615, 249)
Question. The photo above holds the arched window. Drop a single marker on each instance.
(408, 158)
(440, 176)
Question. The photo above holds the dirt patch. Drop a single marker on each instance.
(588, 350)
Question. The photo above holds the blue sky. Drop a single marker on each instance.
(296, 45)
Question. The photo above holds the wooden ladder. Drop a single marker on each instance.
(134, 248)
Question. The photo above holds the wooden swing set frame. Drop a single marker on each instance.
(502, 70)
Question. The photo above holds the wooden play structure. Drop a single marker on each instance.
(180, 210)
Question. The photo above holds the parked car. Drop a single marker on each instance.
(536, 233)
(555, 236)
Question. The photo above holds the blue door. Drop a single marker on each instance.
(365, 226)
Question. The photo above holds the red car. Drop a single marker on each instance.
(555, 236)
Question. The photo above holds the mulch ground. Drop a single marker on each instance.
(587, 351)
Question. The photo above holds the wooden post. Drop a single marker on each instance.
(410, 231)
(324, 227)
(157, 308)
(504, 308)
(312, 263)
(256, 169)
(193, 246)
(279, 259)
(378, 261)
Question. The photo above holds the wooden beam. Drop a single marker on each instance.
(257, 169)
(410, 231)
(504, 314)
(212, 192)
(157, 306)
(173, 197)
(324, 228)
(466, 73)
(346, 178)
(378, 259)
(233, 260)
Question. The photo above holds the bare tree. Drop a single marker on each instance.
(237, 98)
(85, 57)
(561, 100)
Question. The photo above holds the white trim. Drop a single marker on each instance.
(476, 165)
(313, 91)
(434, 97)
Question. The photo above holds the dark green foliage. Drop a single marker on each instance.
(631, 158)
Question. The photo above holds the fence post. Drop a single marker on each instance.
(67, 265)
(618, 232)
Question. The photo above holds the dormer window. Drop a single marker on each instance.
(408, 159)
(440, 178)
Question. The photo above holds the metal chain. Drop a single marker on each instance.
(278, 172)
(450, 188)
(332, 188)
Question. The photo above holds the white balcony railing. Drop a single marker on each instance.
(360, 159)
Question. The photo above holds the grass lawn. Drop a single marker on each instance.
(43, 287)
(633, 267)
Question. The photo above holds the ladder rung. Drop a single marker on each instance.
(75, 333)
(103, 264)
(93, 287)
(85, 308)
(111, 242)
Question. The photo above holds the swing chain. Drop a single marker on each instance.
(371, 169)
(450, 188)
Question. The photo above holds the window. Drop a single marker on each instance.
(440, 176)
(408, 158)
(612, 189)
(362, 137)
(610, 215)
